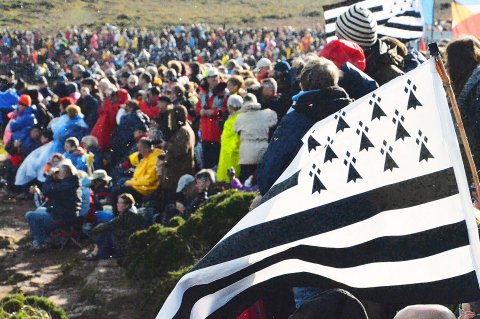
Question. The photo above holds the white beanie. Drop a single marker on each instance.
(358, 25)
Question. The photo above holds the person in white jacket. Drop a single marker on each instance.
(253, 126)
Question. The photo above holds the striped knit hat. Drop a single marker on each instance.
(358, 25)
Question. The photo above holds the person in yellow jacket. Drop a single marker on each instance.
(229, 141)
(145, 179)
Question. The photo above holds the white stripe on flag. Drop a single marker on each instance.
(365, 276)
(426, 216)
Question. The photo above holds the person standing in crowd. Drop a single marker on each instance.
(179, 155)
(211, 107)
(320, 97)
(463, 63)
(230, 141)
(253, 126)
(384, 59)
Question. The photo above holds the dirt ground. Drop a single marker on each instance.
(85, 289)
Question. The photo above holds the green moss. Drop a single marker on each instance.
(17, 306)
(159, 256)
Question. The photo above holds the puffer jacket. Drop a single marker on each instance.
(217, 101)
(287, 139)
(253, 125)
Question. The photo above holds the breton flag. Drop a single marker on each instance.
(375, 202)
(400, 19)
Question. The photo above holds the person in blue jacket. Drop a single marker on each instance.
(320, 97)
(24, 121)
(74, 126)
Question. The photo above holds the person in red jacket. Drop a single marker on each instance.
(211, 108)
(106, 122)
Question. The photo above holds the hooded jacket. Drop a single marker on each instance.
(106, 122)
(73, 127)
(384, 62)
(179, 152)
(253, 126)
(287, 139)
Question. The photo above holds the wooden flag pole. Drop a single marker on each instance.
(435, 52)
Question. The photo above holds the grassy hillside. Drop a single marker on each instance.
(52, 15)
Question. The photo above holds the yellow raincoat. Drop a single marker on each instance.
(145, 179)
(229, 151)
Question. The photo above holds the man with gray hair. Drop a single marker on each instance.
(270, 99)
(425, 312)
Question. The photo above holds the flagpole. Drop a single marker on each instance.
(434, 51)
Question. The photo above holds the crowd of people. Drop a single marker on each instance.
(117, 129)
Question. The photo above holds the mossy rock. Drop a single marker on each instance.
(18, 306)
(154, 252)
(159, 256)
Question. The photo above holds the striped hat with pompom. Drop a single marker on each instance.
(358, 25)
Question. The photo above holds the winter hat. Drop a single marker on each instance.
(333, 303)
(357, 24)
(341, 51)
(263, 63)
(25, 100)
(282, 66)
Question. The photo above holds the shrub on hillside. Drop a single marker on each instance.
(29, 307)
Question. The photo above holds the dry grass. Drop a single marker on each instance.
(54, 14)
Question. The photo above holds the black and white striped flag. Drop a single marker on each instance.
(400, 19)
(375, 202)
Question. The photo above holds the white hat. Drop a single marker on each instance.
(263, 63)
(100, 174)
(184, 181)
(235, 101)
(212, 72)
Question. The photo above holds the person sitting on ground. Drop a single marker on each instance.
(76, 154)
(111, 238)
(204, 180)
(64, 197)
(145, 179)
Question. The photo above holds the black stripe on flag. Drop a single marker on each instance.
(383, 249)
(347, 211)
(334, 19)
(400, 26)
(447, 291)
(276, 189)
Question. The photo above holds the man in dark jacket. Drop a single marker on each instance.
(122, 137)
(64, 194)
(320, 97)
